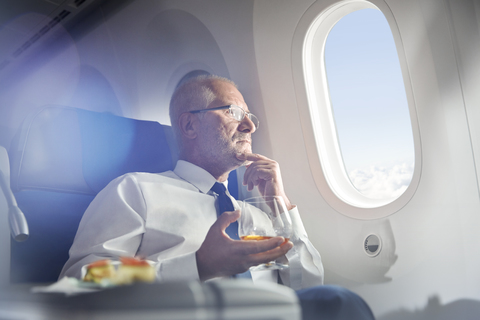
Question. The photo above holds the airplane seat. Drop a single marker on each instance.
(4, 219)
(60, 159)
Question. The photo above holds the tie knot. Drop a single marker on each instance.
(219, 188)
(224, 202)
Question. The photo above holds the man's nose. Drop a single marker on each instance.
(247, 125)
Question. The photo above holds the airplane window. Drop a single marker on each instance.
(357, 107)
(369, 104)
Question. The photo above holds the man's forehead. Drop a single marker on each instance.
(224, 88)
(226, 94)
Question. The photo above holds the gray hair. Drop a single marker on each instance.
(194, 94)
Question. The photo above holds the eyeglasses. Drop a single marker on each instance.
(236, 112)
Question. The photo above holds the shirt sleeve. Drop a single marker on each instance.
(113, 226)
(305, 264)
(183, 267)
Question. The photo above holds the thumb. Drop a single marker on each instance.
(227, 218)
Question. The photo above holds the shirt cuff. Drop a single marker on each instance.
(305, 266)
(183, 267)
(298, 228)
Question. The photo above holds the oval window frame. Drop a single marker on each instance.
(317, 123)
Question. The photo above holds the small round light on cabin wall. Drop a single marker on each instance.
(372, 245)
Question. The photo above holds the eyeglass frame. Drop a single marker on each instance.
(245, 113)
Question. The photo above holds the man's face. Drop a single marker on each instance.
(221, 136)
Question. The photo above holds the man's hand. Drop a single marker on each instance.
(265, 174)
(220, 256)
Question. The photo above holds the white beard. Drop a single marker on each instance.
(221, 151)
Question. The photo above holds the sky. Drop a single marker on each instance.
(369, 104)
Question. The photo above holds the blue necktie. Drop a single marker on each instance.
(225, 204)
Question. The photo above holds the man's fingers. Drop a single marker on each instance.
(250, 157)
(259, 171)
(226, 218)
(271, 254)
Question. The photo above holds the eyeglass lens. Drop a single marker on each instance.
(238, 113)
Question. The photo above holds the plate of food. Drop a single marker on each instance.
(107, 273)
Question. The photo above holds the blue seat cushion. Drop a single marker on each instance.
(53, 219)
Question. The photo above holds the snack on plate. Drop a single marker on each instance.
(134, 270)
(99, 270)
(128, 270)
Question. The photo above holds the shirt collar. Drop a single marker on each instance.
(197, 176)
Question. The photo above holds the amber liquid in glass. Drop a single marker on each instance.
(254, 237)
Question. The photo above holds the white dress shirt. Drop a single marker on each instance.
(165, 218)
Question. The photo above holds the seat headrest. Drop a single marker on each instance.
(73, 150)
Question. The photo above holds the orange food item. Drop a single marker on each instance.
(130, 270)
(134, 270)
(99, 263)
(129, 261)
(98, 270)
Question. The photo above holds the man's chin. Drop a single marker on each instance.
(245, 148)
(240, 163)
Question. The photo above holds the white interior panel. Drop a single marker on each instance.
(430, 247)
(128, 62)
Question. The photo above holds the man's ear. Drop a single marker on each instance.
(188, 123)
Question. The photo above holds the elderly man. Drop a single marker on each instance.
(171, 218)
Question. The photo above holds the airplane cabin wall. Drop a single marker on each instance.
(130, 61)
(430, 255)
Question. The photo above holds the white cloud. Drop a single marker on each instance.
(382, 183)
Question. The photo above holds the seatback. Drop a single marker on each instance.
(60, 159)
(4, 221)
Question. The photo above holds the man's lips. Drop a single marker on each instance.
(242, 138)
